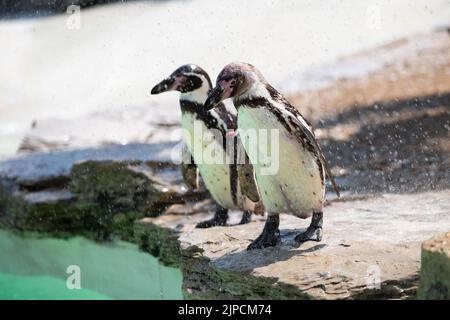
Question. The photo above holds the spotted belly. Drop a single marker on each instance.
(204, 150)
(287, 174)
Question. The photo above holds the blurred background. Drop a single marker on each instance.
(63, 62)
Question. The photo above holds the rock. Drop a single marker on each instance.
(48, 196)
(435, 268)
(43, 169)
(380, 258)
(125, 186)
(91, 192)
(207, 205)
(118, 185)
(118, 126)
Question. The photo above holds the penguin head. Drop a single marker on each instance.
(185, 79)
(234, 80)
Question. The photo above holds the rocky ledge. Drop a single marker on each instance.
(107, 193)
(368, 251)
(96, 192)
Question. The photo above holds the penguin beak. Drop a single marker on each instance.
(214, 97)
(165, 85)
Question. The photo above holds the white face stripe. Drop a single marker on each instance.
(198, 95)
(195, 96)
(220, 122)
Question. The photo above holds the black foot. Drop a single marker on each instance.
(211, 223)
(310, 235)
(220, 219)
(270, 236)
(246, 217)
(314, 231)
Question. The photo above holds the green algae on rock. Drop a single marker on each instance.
(159, 242)
(117, 186)
(92, 191)
(203, 280)
(435, 270)
(55, 194)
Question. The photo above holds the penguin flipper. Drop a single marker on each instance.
(247, 181)
(190, 175)
(189, 170)
(249, 187)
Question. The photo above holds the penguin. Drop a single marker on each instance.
(230, 182)
(297, 186)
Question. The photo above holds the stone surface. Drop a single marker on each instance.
(435, 270)
(48, 196)
(119, 126)
(368, 244)
(95, 192)
(32, 168)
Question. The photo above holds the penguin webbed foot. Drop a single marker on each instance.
(220, 219)
(246, 217)
(269, 237)
(314, 231)
(213, 222)
(264, 241)
(311, 234)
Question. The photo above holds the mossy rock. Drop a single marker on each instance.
(117, 186)
(435, 269)
(110, 199)
(203, 280)
(159, 242)
(12, 210)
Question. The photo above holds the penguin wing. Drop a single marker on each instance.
(189, 170)
(227, 120)
(247, 180)
(307, 135)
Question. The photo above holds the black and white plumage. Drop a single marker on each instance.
(298, 186)
(231, 184)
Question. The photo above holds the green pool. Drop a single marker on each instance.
(32, 267)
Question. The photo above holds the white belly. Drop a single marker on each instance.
(216, 176)
(294, 187)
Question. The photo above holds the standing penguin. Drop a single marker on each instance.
(298, 185)
(231, 184)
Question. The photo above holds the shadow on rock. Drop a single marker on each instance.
(399, 146)
(405, 288)
(248, 260)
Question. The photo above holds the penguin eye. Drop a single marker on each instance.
(232, 82)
